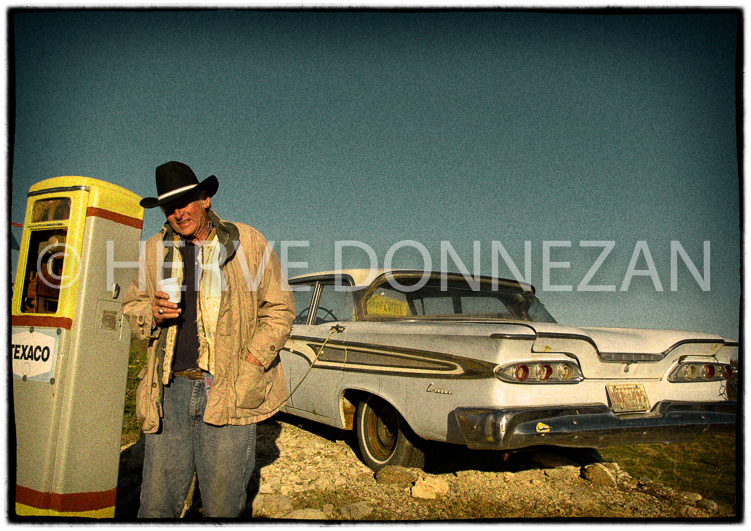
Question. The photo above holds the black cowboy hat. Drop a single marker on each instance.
(174, 180)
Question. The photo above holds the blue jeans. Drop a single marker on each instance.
(223, 457)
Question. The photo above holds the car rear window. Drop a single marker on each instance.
(409, 298)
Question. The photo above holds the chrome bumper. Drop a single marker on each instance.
(590, 426)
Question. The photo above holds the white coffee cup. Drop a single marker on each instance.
(172, 287)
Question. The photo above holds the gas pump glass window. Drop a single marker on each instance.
(47, 254)
(51, 210)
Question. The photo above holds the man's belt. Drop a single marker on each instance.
(193, 374)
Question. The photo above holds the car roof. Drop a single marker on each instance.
(361, 278)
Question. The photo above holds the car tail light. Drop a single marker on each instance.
(564, 372)
(540, 372)
(700, 372)
(544, 372)
(521, 372)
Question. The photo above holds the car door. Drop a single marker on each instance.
(316, 352)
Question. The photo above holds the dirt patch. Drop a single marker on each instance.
(311, 472)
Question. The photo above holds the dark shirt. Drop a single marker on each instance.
(186, 348)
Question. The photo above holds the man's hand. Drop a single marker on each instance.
(250, 358)
(162, 309)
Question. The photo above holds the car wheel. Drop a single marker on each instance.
(384, 437)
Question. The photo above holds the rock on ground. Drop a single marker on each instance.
(397, 474)
(430, 488)
(599, 474)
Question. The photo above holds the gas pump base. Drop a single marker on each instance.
(30, 502)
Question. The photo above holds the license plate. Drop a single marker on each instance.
(628, 398)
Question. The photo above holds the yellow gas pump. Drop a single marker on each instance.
(69, 346)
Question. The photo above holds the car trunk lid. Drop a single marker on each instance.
(625, 353)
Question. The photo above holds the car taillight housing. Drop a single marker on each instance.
(536, 372)
(697, 371)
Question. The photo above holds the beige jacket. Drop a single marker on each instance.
(255, 315)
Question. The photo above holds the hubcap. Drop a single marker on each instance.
(381, 427)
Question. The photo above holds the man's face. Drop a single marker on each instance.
(188, 216)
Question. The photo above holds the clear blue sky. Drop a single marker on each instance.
(429, 126)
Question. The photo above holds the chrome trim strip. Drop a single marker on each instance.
(620, 357)
(514, 336)
(684, 341)
(59, 189)
(630, 356)
(394, 360)
(468, 367)
(579, 337)
(321, 279)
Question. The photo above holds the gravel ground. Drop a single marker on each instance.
(306, 471)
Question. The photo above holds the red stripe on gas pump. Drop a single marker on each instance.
(39, 320)
(114, 216)
(77, 502)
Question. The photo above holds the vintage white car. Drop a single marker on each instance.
(406, 356)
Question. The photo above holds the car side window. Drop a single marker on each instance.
(303, 297)
(483, 306)
(334, 305)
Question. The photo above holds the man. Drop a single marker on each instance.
(212, 370)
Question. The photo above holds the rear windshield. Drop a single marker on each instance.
(458, 299)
